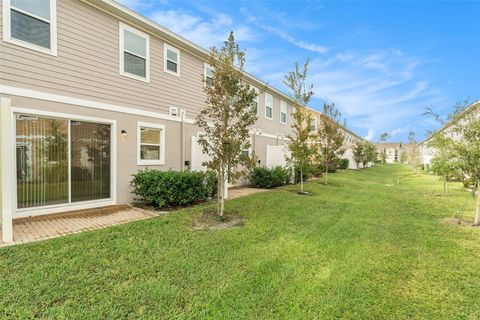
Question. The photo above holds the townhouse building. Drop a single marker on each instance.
(91, 92)
(392, 150)
(427, 152)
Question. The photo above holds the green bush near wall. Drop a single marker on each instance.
(173, 188)
(262, 177)
(344, 164)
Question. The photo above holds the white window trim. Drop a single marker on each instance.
(122, 27)
(7, 32)
(283, 110)
(205, 66)
(160, 161)
(265, 102)
(169, 47)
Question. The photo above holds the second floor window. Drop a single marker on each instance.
(31, 24)
(208, 74)
(313, 125)
(134, 53)
(255, 101)
(268, 106)
(283, 112)
(172, 60)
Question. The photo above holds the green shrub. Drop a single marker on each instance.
(344, 164)
(173, 188)
(307, 174)
(262, 177)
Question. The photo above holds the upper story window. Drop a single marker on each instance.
(31, 24)
(208, 74)
(172, 60)
(313, 125)
(268, 106)
(283, 112)
(134, 53)
(150, 144)
(255, 101)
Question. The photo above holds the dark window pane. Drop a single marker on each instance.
(42, 161)
(30, 30)
(269, 112)
(284, 117)
(149, 152)
(134, 65)
(172, 66)
(90, 160)
(254, 106)
(209, 81)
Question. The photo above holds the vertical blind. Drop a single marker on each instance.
(42, 161)
(42, 150)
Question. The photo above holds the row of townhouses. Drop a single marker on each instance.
(427, 152)
(91, 92)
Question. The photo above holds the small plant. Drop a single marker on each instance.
(262, 177)
(173, 188)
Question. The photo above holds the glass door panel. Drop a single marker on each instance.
(41, 160)
(90, 161)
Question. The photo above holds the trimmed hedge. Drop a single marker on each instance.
(262, 177)
(173, 188)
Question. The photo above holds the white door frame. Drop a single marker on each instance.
(26, 212)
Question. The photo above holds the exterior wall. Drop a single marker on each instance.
(126, 148)
(87, 67)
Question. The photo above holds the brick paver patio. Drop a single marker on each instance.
(57, 225)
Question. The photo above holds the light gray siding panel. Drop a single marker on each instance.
(87, 67)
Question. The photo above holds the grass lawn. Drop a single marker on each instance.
(367, 246)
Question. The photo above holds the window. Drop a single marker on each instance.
(255, 101)
(313, 125)
(268, 106)
(283, 112)
(134, 53)
(151, 144)
(31, 24)
(247, 149)
(172, 60)
(208, 74)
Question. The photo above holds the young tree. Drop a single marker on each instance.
(330, 138)
(371, 151)
(444, 162)
(467, 149)
(413, 154)
(226, 117)
(358, 153)
(383, 138)
(301, 149)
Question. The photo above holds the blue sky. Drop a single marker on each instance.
(381, 62)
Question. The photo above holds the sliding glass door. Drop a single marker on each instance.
(90, 160)
(60, 161)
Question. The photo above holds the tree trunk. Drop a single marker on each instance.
(477, 209)
(221, 202)
(301, 180)
(444, 186)
(326, 174)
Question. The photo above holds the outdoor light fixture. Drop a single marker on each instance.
(124, 133)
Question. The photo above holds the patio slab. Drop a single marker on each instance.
(61, 224)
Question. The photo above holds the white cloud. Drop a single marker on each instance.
(370, 135)
(205, 32)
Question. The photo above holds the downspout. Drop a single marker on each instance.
(182, 137)
(7, 175)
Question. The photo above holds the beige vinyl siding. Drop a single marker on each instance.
(87, 67)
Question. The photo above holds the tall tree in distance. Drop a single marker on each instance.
(226, 117)
(301, 149)
(330, 138)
